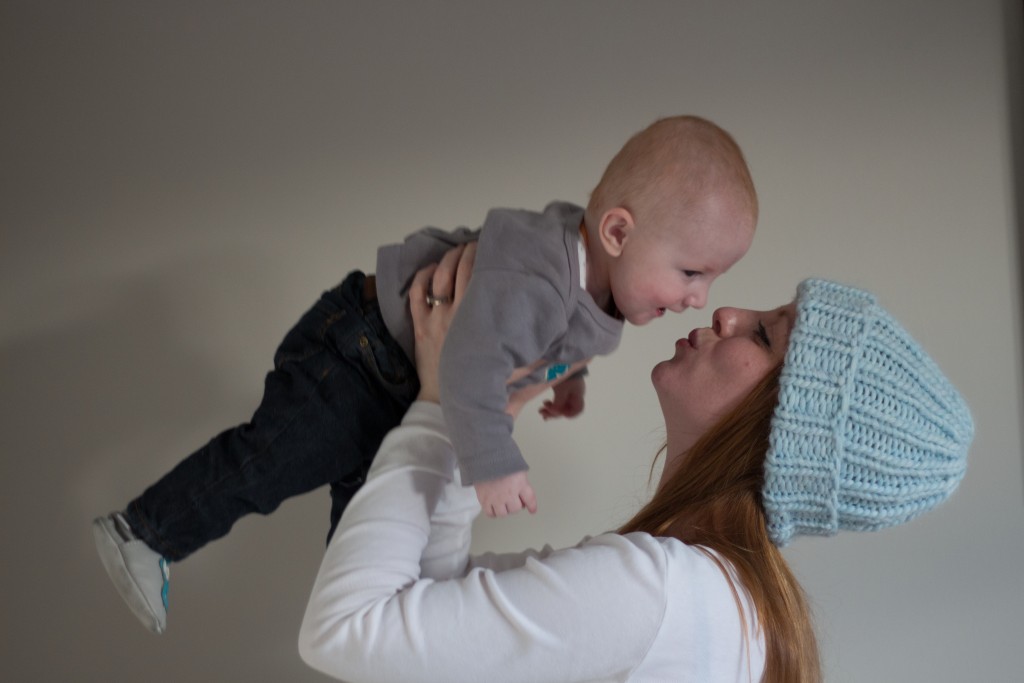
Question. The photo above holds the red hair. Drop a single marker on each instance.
(713, 501)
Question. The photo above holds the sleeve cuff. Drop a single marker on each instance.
(425, 414)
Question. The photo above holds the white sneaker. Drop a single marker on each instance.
(139, 573)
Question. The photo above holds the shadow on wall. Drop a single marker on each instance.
(88, 405)
(1014, 24)
(99, 404)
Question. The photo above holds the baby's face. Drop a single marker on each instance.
(670, 267)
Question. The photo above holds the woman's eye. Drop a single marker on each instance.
(762, 334)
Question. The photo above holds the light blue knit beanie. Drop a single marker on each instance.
(868, 432)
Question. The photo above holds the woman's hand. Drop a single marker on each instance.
(444, 283)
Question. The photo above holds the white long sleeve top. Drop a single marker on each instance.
(398, 598)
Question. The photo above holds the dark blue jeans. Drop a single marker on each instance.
(339, 384)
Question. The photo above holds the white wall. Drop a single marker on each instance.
(180, 181)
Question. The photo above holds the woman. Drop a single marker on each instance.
(820, 415)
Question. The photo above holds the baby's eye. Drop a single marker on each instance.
(691, 273)
(762, 335)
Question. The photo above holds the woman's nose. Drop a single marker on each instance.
(724, 321)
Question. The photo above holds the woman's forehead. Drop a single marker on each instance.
(780, 322)
(788, 311)
(783, 313)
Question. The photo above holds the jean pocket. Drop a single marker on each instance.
(383, 365)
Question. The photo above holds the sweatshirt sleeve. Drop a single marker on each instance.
(508, 319)
(577, 614)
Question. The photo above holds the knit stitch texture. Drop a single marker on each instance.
(868, 432)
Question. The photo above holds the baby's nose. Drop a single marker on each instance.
(696, 300)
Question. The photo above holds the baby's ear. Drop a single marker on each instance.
(615, 229)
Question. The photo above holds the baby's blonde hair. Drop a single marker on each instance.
(665, 168)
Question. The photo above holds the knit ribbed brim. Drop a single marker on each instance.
(868, 432)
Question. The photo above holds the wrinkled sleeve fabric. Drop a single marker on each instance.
(372, 617)
(508, 319)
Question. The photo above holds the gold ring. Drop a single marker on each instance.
(434, 301)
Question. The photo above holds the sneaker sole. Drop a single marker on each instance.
(113, 561)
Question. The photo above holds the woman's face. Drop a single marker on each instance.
(715, 367)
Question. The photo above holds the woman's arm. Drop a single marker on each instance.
(580, 614)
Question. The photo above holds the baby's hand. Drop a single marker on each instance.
(568, 399)
(506, 496)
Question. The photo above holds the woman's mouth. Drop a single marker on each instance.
(688, 341)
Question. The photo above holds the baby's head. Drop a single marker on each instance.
(675, 209)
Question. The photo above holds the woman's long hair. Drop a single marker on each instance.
(713, 500)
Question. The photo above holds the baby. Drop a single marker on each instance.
(675, 208)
